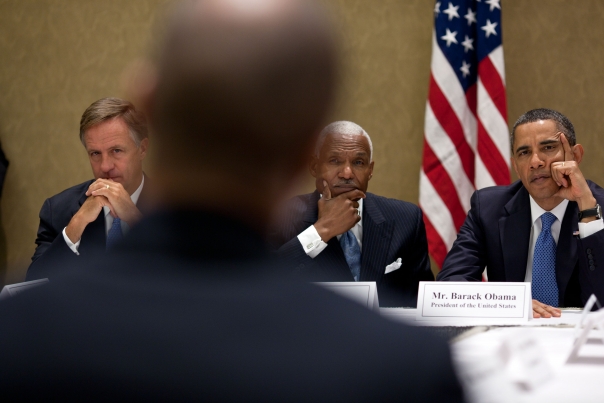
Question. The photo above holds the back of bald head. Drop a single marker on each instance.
(247, 80)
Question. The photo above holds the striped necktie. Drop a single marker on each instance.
(352, 253)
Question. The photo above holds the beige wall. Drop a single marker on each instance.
(56, 57)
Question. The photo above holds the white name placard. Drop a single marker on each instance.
(511, 302)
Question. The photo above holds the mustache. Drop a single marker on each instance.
(345, 182)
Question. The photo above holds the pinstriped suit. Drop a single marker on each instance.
(391, 229)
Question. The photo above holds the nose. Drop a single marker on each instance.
(346, 171)
(106, 163)
(536, 161)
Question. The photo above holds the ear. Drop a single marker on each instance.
(371, 169)
(578, 153)
(142, 148)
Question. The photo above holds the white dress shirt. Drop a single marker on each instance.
(313, 244)
(585, 229)
(108, 220)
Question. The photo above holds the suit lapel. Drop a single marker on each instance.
(377, 235)
(311, 215)
(566, 250)
(145, 202)
(515, 233)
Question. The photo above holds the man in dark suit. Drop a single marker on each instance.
(86, 218)
(504, 227)
(388, 234)
(189, 307)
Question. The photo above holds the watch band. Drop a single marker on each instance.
(591, 212)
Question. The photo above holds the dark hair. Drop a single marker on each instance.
(564, 125)
(109, 108)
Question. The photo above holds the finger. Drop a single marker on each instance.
(536, 315)
(326, 191)
(105, 201)
(104, 191)
(558, 171)
(355, 204)
(568, 152)
(354, 194)
(553, 311)
(98, 184)
(538, 309)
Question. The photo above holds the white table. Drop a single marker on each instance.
(488, 376)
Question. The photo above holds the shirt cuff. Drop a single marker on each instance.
(73, 246)
(311, 242)
(589, 228)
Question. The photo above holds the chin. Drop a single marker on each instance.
(543, 194)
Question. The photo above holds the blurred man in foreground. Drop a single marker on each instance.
(188, 307)
(92, 216)
(341, 232)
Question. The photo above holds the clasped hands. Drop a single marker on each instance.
(101, 193)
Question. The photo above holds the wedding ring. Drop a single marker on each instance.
(562, 163)
(106, 186)
(358, 212)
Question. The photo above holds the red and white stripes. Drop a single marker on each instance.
(466, 144)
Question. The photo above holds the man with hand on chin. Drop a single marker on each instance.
(342, 233)
(545, 228)
(93, 215)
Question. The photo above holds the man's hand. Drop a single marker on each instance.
(121, 203)
(569, 177)
(339, 214)
(540, 310)
(86, 214)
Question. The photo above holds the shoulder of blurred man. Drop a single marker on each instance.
(190, 304)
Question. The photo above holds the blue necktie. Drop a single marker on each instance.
(115, 233)
(352, 253)
(545, 287)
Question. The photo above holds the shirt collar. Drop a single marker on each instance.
(537, 211)
(134, 196)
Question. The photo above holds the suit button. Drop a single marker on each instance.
(590, 256)
(592, 267)
(588, 250)
(591, 262)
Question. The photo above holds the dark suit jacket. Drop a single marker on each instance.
(496, 234)
(179, 314)
(391, 229)
(55, 214)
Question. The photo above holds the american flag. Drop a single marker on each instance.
(466, 144)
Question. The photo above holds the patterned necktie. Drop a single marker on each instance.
(115, 233)
(545, 287)
(352, 253)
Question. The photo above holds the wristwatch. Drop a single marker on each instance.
(591, 212)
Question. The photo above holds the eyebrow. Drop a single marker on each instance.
(542, 143)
